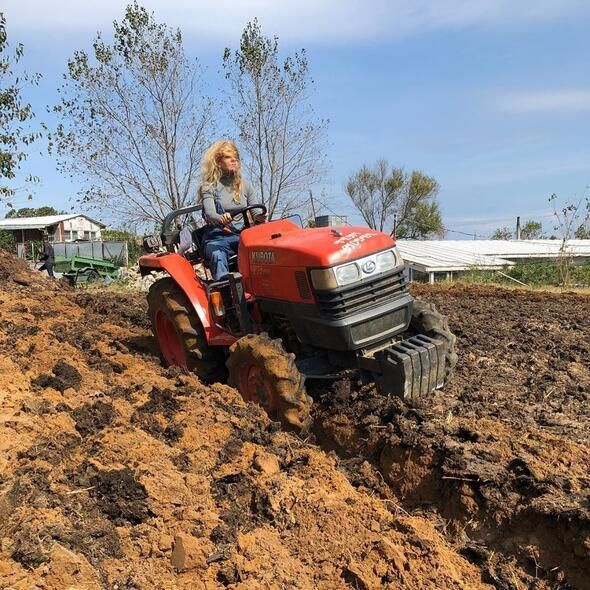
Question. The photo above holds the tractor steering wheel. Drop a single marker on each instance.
(247, 218)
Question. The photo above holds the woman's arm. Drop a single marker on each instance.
(251, 198)
(209, 212)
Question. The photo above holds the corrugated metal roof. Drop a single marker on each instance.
(450, 255)
(41, 222)
(436, 256)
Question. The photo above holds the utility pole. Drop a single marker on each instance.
(518, 228)
(395, 225)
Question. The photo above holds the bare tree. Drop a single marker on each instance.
(282, 142)
(568, 217)
(133, 123)
(382, 193)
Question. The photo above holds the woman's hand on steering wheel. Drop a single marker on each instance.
(225, 219)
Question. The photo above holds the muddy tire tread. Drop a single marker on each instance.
(165, 294)
(279, 366)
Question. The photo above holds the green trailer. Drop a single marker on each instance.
(81, 269)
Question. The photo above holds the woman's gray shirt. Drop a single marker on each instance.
(223, 191)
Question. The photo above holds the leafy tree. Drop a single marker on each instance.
(133, 124)
(283, 143)
(32, 212)
(7, 240)
(531, 230)
(425, 222)
(502, 233)
(381, 193)
(121, 235)
(16, 133)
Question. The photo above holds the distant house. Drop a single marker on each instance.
(59, 228)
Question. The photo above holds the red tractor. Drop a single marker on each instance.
(300, 304)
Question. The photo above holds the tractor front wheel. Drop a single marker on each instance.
(265, 374)
(179, 332)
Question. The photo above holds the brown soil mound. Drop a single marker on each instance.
(119, 474)
(500, 457)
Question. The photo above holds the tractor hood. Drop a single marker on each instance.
(284, 244)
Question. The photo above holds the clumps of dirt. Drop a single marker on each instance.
(16, 331)
(156, 416)
(64, 376)
(28, 548)
(92, 418)
(52, 448)
(242, 509)
(120, 497)
(11, 267)
(16, 274)
(123, 310)
(95, 538)
(128, 392)
(72, 334)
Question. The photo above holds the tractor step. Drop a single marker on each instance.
(410, 369)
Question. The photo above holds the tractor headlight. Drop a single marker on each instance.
(349, 273)
(323, 279)
(386, 261)
(363, 268)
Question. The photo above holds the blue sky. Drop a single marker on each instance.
(492, 97)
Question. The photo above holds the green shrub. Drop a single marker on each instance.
(119, 235)
(534, 274)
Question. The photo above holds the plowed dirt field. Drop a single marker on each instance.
(116, 473)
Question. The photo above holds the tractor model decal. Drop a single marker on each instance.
(353, 241)
(263, 257)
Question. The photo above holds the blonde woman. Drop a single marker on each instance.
(223, 192)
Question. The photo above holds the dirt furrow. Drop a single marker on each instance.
(501, 454)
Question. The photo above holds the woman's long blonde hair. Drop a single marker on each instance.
(212, 169)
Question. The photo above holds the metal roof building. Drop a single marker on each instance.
(59, 228)
(43, 222)
(449, 256)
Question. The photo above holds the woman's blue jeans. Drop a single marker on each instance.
(217, 250)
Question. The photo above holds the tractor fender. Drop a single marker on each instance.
(183, 273)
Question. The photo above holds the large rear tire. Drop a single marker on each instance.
(427, 320)
(179, 332)
(264, 373)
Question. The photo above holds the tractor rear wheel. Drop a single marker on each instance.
(178, 330)
(427, 320)
(264, 373)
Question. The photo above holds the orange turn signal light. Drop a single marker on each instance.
(217, 303)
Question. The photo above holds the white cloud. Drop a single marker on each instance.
(300, 20)
(544, 101)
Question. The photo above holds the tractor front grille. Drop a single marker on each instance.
(345, 301)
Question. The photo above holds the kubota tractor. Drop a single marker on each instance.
(300, 304)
